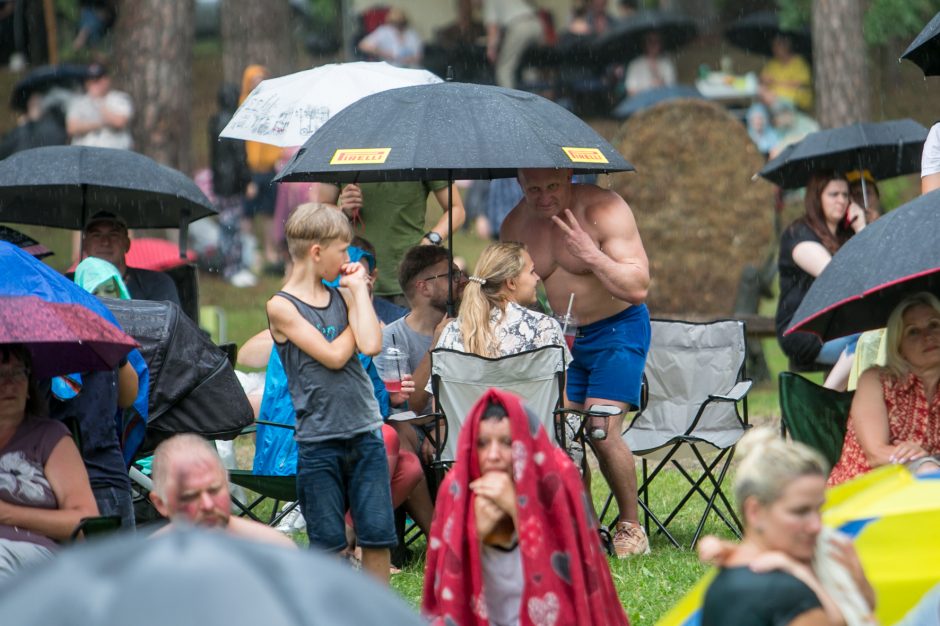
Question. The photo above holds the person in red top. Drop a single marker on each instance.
(895, 415)
(514, 538)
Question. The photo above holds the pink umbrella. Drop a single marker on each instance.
(62, 338)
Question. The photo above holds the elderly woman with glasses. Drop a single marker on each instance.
(44, 488)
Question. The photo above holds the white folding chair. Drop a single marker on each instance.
(459, 379)
(696, 381)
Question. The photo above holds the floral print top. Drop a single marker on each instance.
(22, 472)
(516, 329)
(910, 418)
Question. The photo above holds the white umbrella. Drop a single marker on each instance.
(285, 111)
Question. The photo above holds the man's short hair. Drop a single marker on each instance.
(186, 446)
(315, 223)
(415, 261)
(106, 216)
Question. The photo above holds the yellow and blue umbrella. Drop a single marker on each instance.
(893, 518)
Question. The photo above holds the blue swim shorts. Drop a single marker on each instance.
(609, 357)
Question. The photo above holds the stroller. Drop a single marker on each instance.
(193, 388)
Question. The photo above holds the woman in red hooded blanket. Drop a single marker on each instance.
(514, 540)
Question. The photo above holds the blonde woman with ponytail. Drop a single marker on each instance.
(788, 568)
(493, 320)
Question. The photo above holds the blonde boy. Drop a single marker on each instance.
(317, 332)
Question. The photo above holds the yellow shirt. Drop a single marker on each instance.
(792, 80)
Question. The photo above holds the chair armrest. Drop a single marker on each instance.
(97, 525)
(275, 424)
(735, 394)
(412, 418)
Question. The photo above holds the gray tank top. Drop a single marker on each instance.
(330, 404)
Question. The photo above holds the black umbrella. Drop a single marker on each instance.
(449, 131)
(652, 97)
(893, 257)
(197, 578)
(43, 79)
(756, 32)
(925, 49)
(886, 149)
(24, 241)
(625, 39)
(62, 186)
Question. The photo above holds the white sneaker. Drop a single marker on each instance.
(291, 522)
(243, 278)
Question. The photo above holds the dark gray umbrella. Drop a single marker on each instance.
(893, 257)
(62, 186)
(44, 78)
(652, 97)
(625, 39)
(886, 149)
(925, 49)
(756, 32)
(449, 131)
(197, 578)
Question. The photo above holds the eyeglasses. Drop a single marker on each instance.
(456, 273)
(13, 376)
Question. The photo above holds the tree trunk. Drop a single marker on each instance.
(255, 32)
(840, 64)
(153, 49)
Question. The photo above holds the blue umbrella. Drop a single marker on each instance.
(651, 97)
(25, 276)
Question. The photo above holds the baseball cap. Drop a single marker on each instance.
(95, 70)
(105, 216)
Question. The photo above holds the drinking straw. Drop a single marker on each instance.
(398, 360)
(567, 315)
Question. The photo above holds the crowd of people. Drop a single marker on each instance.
(511, 529)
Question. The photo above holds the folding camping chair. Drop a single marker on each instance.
(814, 415)
(275, 489)
(459, 379)
(696, 380)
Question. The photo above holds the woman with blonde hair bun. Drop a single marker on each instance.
(493, 320)
(788, 569)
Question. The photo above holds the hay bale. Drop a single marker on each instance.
(701, 217)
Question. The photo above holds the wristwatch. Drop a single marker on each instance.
(434, 238)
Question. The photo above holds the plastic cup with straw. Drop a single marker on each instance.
(568, 322)
(392, 375)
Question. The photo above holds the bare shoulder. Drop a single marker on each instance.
(255, 531)
(512, 226)
(871, 378)
(279, 308)
(604, 208)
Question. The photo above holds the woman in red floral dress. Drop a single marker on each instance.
(895, 416)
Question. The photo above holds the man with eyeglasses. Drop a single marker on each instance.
(105, 237)
(422, 275)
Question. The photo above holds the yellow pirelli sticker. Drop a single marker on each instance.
(359, 156)
(585, 155)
